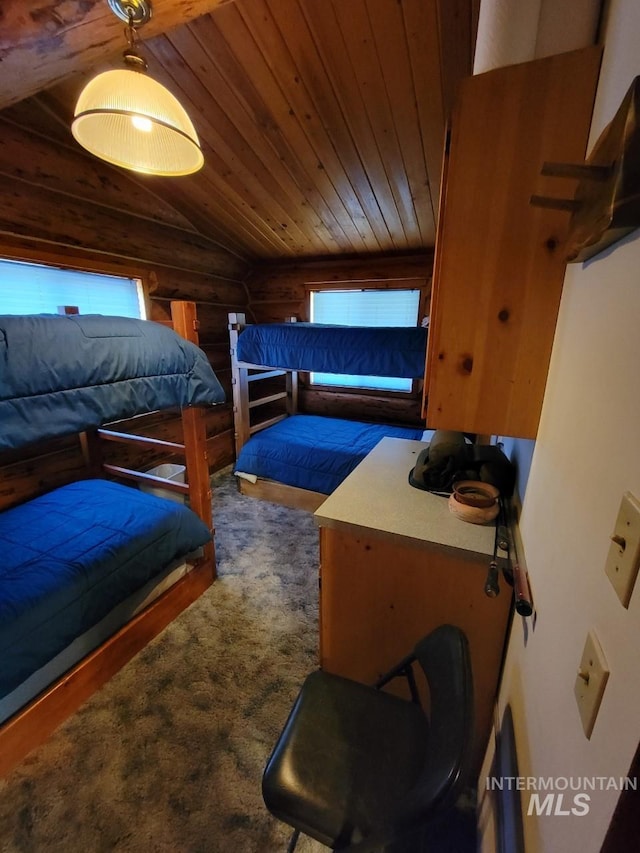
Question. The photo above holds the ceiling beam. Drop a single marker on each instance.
(44, 41)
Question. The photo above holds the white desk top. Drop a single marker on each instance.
(376, 497)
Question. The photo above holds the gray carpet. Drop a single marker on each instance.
(168, 756)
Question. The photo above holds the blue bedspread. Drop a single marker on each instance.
(354, 350)
(68, 557)
(65, 374)
(313, 452)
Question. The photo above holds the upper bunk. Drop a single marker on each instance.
(63, 374)
(394, 351)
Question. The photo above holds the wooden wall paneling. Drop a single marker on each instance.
(365, 406)
(62, 167)
(218, 355)
(220, 450)
(206, 205)
(321, 123)
(330, 36)
(278, 291)
(276, 312)
(35, 116)
(35, 470)
(354, 18)
(390, 36)
(67, 257)
(292, 124)
(51, 217)
(315, 126)
(423, 40)
(163, 424)
(250, 165)
(265, 279)
(213, 289)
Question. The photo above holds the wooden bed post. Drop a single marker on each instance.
(292, 382)
(242, 427)
(185, 323)
(91, 452)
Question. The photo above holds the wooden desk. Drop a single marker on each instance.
(395, 563)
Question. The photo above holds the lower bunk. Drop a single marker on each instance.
(91, 572)
(300, 460)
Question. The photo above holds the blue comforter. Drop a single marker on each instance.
(354, 350)
(313, 452)
(64, 374)
(69, 557)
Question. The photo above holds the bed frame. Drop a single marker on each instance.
(243, 374)
(34, 723)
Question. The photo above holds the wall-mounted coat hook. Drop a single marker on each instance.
(606, 204)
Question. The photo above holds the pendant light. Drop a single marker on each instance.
(129, 119)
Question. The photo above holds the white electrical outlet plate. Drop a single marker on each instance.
(590, 682)
(623, 558)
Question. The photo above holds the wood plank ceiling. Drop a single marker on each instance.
(321, 121)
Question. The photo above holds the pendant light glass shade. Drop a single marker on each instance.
(129, 119)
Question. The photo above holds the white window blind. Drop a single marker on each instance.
(27, 288)
(364, 308)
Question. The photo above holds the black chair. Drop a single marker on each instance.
(356, 768)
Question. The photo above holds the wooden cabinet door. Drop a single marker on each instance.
(499, 264)
(379, 596)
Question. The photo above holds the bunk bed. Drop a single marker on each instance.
(94, 569)
(298, 459)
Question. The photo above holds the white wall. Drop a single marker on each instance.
(512, 31)
(587, 455)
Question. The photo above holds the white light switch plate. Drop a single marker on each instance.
(623, 558)
(590, 682)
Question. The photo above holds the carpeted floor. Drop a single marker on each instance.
(168, 756)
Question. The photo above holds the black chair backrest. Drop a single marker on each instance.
(445, 659)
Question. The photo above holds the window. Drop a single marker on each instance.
(27, 288)
(364, 308)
